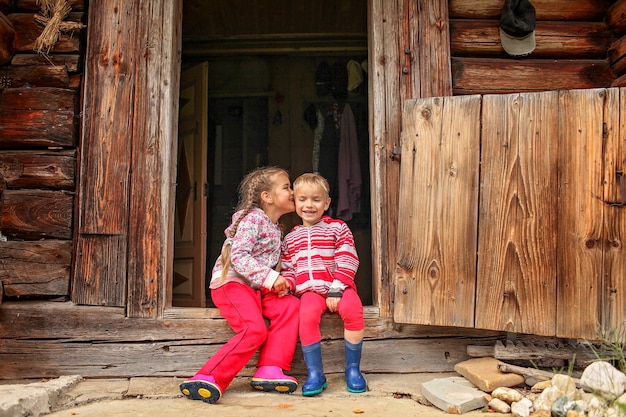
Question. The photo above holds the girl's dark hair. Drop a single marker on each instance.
(250, 189)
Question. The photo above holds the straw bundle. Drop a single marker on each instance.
(53, 12)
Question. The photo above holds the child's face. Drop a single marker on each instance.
(311, 203)
(282, 194)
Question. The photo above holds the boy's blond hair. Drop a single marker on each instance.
(313, 180)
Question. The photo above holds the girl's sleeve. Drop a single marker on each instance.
(287, 270)
(242, 257)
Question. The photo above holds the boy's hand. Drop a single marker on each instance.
(332, 303)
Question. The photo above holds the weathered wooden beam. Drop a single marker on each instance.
(572, 10)
(37, 117)
(582, 354)
(531, 372)
(36, 214)
(27, 31)
(34, 5)
(616, 17)
(503, 76)
(616, 55)
(555, 39)
(7, 34)
(619, 81)
(36, 76)
(69, 61)
(38, 169)
(100, 270)
(39, 268)
(103, 342)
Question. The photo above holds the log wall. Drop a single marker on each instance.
(616, 20)
(39, 102)
(572, 38)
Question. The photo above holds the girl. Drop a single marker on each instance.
(321, 258)
(247, 289)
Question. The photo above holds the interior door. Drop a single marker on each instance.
(191, 193)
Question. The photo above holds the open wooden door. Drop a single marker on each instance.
(510, 212)
(190, 227)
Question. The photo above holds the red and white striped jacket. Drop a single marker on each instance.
(320, 258)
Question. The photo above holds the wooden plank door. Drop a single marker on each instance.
(514, 204)
(437, 220)
(190, 227)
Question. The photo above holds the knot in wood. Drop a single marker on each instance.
(426, 113)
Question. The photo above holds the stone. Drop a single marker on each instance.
(603, 378)
(508, 395)
(522, 408)
(484, 373)
(454, 395)
(500, 406)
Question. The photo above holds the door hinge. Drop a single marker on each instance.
(396, 152)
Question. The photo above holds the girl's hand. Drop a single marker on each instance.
(281, 286)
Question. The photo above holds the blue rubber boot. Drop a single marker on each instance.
(355, 381)
(315, 380)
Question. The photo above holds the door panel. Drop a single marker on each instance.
(436, 268)
(191, 200)
(546, 211)
(517, 235)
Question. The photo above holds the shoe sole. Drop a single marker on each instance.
(315, 391)
(201, 390)
(283, 386)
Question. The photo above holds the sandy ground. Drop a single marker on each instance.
(388, 395)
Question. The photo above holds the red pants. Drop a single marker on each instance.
(313, 305)
(245, 309)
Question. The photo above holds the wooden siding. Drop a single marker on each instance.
(38, 141)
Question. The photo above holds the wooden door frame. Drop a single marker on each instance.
(400, 67)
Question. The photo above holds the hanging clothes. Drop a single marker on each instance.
(329, 155)
(317, 138)
(348, 168)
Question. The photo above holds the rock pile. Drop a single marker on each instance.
(600, 392)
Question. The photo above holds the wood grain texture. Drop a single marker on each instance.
(437, 219)
(35, 269)
(517, 234)
(581, 217)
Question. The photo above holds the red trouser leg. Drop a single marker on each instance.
(282, 333)
(240, 305)
(312, 306)
(350, 309)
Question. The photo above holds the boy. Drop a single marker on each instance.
(319, 258)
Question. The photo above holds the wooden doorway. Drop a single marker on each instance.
(191, 193)
(263, 76)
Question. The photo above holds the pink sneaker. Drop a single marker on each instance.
(272, 378)
(201, 387)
